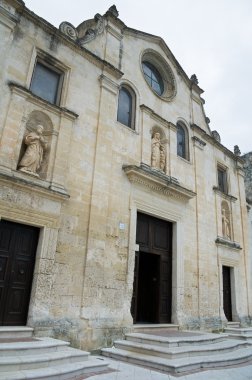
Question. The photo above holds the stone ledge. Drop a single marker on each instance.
(48, 189)
(228, 243)
(224, 195)
(26, 93)
(158, 181)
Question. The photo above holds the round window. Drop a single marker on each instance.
(153, 77)
(158, 74)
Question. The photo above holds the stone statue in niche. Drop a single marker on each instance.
(157, 152)
(226, 226)
(33, 156)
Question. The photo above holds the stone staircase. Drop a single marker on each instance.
(23, 356)
(178, 352)
(241, 333)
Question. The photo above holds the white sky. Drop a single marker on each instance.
(211, 38)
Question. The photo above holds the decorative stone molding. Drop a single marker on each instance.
(214, 141)
(198, 142)
(27, 94)
(113, 10)
(216, 136)
(157, 117)
(228, 243)
(37, 185)
(108, 84)
(194, 79)
(224, 195)
(7, 18)
(69, 30)
(114, 32)
(91, 33)
(237, 151)
(156, 180)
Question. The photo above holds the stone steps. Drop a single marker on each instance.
(37, 346)
(43, 358)
(16, 363)
(16, 332)
(175, 341)
(180, 354)
(233, 324)
(66, 372)
(141, 328)
(241, 333)
(184, 365)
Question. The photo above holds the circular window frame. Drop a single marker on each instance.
(159, 63)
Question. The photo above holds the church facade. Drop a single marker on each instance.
(118, 204)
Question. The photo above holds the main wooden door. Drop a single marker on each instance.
(18, 245)
(152, 290)
(227, 298)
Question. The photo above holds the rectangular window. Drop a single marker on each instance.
(47, 82)
(222, 179)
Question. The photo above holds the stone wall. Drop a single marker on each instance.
(99, 174)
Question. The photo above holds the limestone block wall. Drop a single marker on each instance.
(85, 203)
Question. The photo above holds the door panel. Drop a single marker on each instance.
(142, 231)
(18, 245)
(152, 289)
(160, 235)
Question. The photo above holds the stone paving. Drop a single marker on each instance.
(124, 371)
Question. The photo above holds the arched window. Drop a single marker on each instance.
(182, 141)
(126, 107)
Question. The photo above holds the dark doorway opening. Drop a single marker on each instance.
(152, 290)
(227, 296)
(148, 289)
(18, 244)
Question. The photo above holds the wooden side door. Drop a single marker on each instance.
(18, 244)
(227, 297)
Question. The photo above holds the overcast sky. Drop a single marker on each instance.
(211, 38)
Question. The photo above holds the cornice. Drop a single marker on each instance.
(213, 141)
(29, 183)
(157, 117)
(27, 94)
(8, 19)
(159, 40)
(198, 142)
(157, 181)
(224, 195)
(227, 243)
(108, 84)
(56, 33)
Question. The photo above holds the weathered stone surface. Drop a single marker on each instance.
(98, 174)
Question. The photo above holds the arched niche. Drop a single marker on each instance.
(158, 149)
(226, 220)
(36, 118)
